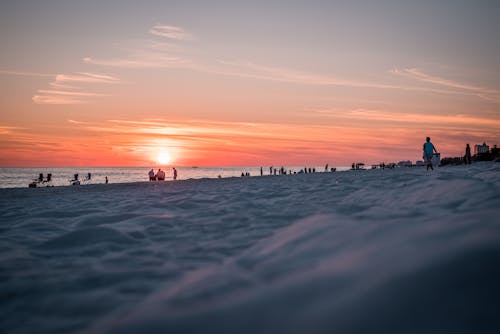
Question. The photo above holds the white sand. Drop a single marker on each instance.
(353, 252)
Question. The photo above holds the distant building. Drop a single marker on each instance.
(419, 163)
(406, 163)
(478, 149)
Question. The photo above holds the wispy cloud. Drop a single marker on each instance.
(141, 60)
(171, 32)
(59, 85)
(24, 73)
(202, 140)
(56, 99)
(288, 75)
(257, 71)
(152, 53)
(73, 93)
(416, 74)
(66, 93)
(169, 52)
(158, 54)
(85, 77)
(6, 129)
(421, 76)
(376, 118)
(73, 88)
(72, 121)
(198, 141)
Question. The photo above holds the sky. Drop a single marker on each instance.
(245, 83)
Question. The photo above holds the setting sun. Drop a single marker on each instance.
(163, 158)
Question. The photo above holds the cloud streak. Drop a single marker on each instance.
(195, 141)
(416, 74)
(279, 74)
(171, 32)
(56, 100)
(157, 54)
(72, 93)
(66, 93)
(85, 77)
(26, 74)
(141, 60)
(198, 141)
(152, 53)
(256, 71)
(377, 117)
(5, 129)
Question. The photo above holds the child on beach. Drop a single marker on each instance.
(429, 149)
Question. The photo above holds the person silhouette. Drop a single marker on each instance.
(428, 149)
(152, 176)
(467, 158)
(160, 175)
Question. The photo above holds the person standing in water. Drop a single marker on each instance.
(151, 175)
(175, 173)
(160, 175)
(429, 149)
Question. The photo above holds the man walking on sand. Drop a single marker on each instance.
(429, 149)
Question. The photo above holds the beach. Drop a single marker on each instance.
(62, 176)
(389, 251)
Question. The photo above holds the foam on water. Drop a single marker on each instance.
(386, 251)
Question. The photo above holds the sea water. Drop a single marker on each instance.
(61, 176)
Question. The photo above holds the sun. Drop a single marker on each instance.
(163, 158)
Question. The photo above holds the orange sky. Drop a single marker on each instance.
(213, 88)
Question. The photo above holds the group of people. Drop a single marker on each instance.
(75, 181)
(160, 174)
(41, 180)
(283, 171)
(428, 152)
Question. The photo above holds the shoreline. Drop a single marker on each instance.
(99, 179)
(20, 178)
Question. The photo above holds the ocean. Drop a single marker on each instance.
(21, 177)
